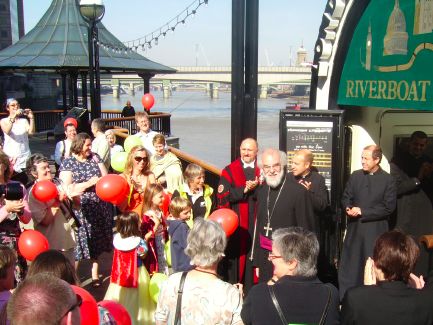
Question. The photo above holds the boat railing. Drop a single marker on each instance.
(46, 120)
(160, 121)
(212, 173)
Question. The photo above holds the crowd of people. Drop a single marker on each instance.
(266, 272)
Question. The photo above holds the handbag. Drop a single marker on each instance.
(280, 312)
(177, 317)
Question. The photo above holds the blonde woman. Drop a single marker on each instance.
(139, 177)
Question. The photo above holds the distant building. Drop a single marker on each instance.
(11, 22)
(301, 56)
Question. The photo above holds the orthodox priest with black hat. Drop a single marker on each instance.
(282, 203)
(237, 191)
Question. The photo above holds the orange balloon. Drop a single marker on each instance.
(89, 309)
(31, 243)
(147, 100)
(45, 190)
(112, 188)
(227, 218)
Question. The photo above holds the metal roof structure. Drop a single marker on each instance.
(59, 42)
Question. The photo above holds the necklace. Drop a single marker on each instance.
(204, 271)
(270, 214)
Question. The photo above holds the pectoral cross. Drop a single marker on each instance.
(267, 228)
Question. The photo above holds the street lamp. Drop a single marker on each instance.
(92, 12)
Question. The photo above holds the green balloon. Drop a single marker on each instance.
(155, 285)
(167, 252)
(118, 161)
(131, 142)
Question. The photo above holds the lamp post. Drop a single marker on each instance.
(92, 12)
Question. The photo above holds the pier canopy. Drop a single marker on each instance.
(59, 43)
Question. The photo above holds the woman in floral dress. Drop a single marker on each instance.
(80, 173)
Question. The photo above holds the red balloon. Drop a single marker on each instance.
(112, 188)
(165, 203)
(31, 243)
(147, 100)
(70, 120)
(227, 218)
(45, 190)
(120, 314)
(89, 309)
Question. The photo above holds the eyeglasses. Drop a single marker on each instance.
(139, 159)
(272, 257)
(267, 168)
(78, 303)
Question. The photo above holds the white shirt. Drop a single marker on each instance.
(146, 140)
(16, 144)
(245, 165)
(101, 147)
(62, 151)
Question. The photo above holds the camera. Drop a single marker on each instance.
(22, 112)
(12, 191)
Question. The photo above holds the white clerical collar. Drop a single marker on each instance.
(245, 165)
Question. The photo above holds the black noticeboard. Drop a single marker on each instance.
(321, 132)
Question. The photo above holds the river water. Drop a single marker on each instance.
(203, 124)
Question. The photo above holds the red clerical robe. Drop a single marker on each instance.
(236, 267)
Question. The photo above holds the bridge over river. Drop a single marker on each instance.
(211, 79)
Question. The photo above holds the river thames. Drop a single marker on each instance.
(203, 124)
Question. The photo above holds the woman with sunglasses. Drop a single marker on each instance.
(139, 177)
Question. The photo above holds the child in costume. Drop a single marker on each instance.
(154, 229)
(129, 284)
(180, 211)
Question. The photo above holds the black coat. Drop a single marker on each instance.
(376, 195)
(302, 301)
(293, 209)
(387, 303)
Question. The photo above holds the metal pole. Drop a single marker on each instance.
(249, 112)
(238, 40)
(97, 111)
(84, 88)
(91, 71)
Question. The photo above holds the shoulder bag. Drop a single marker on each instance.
(177, 317)
(280, 312)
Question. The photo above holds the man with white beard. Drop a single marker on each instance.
(282, 203)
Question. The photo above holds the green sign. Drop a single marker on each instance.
(390, 59)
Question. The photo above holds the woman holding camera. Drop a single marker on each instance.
(13, 209)
(16, 128)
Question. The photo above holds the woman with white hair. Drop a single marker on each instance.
(206, 299)
(111, 139)
(294, 295)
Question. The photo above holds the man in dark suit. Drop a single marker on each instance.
(369, 198)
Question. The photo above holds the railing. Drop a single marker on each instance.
(212, 173)
(44, 120)
(160, 121)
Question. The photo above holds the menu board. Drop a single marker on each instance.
(315, 136)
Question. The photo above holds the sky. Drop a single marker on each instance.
(284, 25)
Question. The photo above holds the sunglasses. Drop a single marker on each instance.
(78, 303)
(139, 159)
